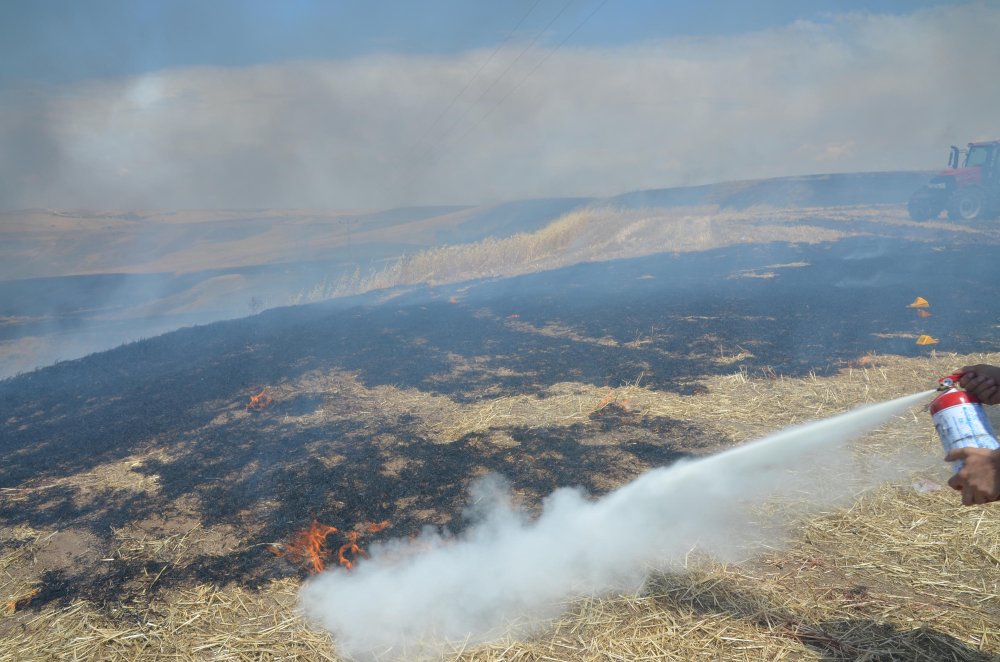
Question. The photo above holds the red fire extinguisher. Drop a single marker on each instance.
(959, 418)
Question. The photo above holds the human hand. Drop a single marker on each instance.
(983, 381)
(979, 479)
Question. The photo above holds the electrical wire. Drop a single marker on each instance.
(469, 83)
(426, 153)
(533, 70)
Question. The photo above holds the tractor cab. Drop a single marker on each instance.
(984, 157)
(969, 189)
(976, 155)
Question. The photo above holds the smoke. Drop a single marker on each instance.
(508, 574)
(377, 129)
(856, 92)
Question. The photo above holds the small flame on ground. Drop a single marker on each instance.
(605, 401)
(22, 601)
(308, 547)
(865, 360)
(927, 340)
(378, 526)
(352, 548)
(260, 401)
(919, 302)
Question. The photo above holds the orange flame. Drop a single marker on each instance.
(260, 401)
(379, 526)
(22, 601)
(867, 359)
(927, 340)
(350, 547)
(605, 401)
(308, 546)
(919, 302)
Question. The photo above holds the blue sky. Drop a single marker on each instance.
(66, 40)
(237, 104)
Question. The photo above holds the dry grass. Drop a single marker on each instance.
(901, 573)
(200, 623)
(111, 476)
(596, 234)
(920, 584)
(580, 236)
(732, 405)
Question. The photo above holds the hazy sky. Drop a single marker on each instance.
(372, 104)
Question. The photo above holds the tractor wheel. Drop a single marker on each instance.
(968, 204)
(922, 206)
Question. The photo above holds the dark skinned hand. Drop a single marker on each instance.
(983, 381)
(979, 479)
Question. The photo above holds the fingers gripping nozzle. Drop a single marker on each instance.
(949, 381)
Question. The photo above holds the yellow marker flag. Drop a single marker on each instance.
(919, 302)
(926, 340)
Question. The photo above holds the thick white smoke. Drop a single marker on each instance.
(858, 92)
(506, 573)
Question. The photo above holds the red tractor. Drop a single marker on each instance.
(969, 189)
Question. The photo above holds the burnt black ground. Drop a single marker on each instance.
(687, 308)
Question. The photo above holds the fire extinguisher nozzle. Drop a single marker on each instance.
(949, 381)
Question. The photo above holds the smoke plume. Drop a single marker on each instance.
(506, 574)
(859, 92)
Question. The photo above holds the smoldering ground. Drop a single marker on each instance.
(506, 574)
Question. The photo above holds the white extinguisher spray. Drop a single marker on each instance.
(959, 419)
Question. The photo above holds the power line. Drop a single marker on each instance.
(533, 70)
(496, 80)
(525, 50)
(468, 83)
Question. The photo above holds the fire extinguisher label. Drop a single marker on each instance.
(962, 426)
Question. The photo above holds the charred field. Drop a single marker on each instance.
(140, 474)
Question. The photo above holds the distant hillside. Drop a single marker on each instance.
(509, 218)
(76, 281)
(860, 188)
